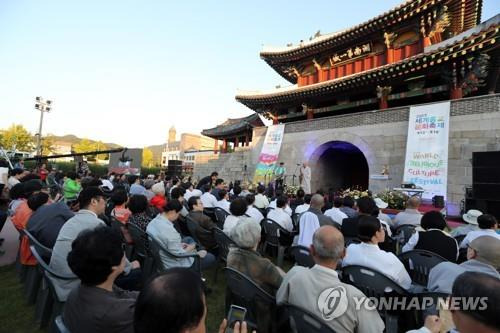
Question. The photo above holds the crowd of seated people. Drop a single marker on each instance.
(103, 296)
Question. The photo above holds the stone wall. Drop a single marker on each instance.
(381, 136)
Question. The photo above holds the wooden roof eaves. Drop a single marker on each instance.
(422, 60)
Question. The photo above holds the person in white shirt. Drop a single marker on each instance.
(368, 254)
(279, 215)
(237, 209)
(207, 198)
(305, 206)
(335, 213)
(224, 201)
(251, 210)
(287, 210)
(488, 225)
(15, 177)
(261, 200)
(191, 191)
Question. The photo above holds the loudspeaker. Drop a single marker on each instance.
(486, 175)
(486, 206)
(438, 201)
(174, 162)
(486, 191)
(486, 159)
(174, 168)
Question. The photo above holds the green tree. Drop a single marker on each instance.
(85, 145)
(147, 158)
(48, 145)
(99, 145)
(17, 137)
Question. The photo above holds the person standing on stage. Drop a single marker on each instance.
(305, 178)
(279, 174)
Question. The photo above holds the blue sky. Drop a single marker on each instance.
(125, 71)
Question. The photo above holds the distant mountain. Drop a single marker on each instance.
(73, 139)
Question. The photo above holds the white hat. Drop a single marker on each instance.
(471, 216)
(107, 183)
(158, 188)
(381, 203)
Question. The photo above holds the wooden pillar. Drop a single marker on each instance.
(382, 94)
(426, 41)
(216, 146)
(390, 56)
(275, 119)
(456, 93)
(309, 114)
(224, 145)
(247, 140)
(236, 142)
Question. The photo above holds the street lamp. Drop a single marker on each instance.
(42, 105)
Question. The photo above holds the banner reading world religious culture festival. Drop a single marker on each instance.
(426, 163)
(269, 153)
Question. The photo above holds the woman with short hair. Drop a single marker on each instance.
(433, 238)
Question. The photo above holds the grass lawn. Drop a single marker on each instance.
(17, 316)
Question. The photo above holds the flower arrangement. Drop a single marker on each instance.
(355, 193)
(291, 190)
(395, 199)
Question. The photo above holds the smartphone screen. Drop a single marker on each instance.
(236, 313)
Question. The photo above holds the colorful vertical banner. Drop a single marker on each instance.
(269, 153)
(426, 163)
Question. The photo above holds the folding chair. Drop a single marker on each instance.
(59, 325)
(224, 244)
(302, 320)
(141, 250)
(277, 237)
(53, 305)
(376, 284)
(155, 248)
(402, 234)
(246, 293)
(418, 264)
(302, 256)
(34, 274)
(220, 216)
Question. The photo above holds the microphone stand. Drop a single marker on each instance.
(294, 174)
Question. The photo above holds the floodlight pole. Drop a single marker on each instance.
(39, 141)
(43, 106)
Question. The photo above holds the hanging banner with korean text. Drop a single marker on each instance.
(426, 163)
(269, 153)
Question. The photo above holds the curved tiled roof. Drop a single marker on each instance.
(486, 38)
(234, 126)
(469, 12)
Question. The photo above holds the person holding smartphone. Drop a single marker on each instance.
(175, 302)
